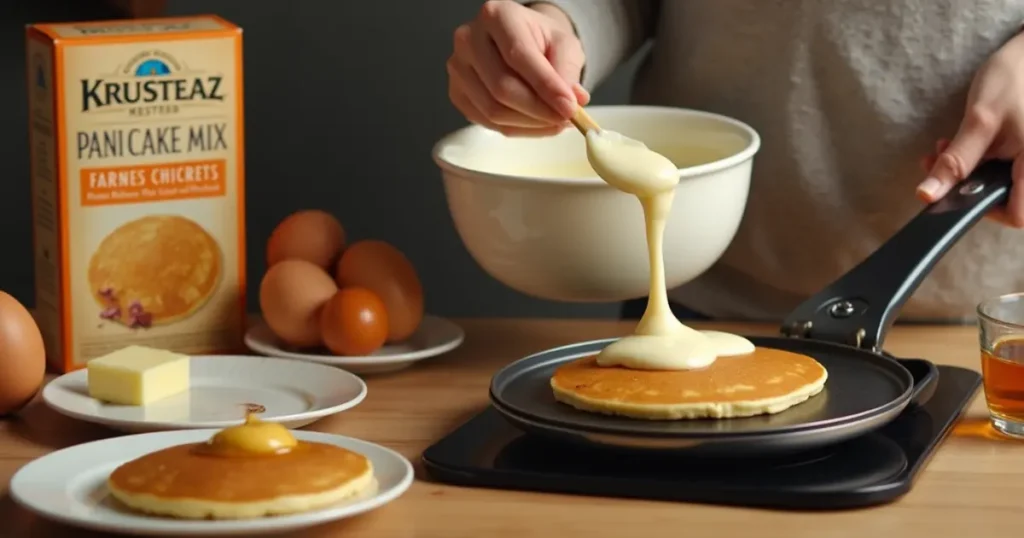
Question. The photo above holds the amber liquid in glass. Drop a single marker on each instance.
(1003, 373)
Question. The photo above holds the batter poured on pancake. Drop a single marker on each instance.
(166, 266)
(666, 370)
(763, 382)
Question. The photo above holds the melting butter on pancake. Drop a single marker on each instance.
(766, 381)
(247, 471)
(181, 483)
(168, 264)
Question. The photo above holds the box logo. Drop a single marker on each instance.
(152, 82)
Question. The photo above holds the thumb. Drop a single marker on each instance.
(566, 55)
(958, 159)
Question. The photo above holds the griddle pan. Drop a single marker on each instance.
(843, 327)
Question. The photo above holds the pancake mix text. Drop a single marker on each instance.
(137, 185)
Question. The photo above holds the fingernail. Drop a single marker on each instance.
(566, 107)
(929, 187)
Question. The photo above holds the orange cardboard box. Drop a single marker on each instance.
(138, 194)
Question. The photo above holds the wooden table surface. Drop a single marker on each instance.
(974, 483)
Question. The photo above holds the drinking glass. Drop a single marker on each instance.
(1001, 334)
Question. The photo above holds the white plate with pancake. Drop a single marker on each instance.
(69, 486)
(434, 337)
(224, 388)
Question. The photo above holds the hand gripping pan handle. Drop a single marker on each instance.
(860, 307)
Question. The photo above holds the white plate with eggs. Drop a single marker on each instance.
(434, 336)
(223, 390)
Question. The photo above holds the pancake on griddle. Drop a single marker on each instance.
(766, 381)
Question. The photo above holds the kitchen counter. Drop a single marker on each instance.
(974, 483)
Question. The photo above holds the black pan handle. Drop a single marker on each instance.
(859, 308)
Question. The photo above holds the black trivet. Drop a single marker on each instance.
(872, 469)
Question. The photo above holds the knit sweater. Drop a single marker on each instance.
(847, 96)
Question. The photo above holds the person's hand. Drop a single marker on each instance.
(992, 128)
(516, 69)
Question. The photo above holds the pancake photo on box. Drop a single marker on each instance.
(155, 270)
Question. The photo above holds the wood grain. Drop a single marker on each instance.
(975, 483)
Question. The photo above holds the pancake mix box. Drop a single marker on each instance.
(136, 141)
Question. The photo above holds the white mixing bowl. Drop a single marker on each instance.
(537, 218)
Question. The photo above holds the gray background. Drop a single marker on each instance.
(343, 101)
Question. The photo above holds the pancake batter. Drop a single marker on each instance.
(660, 341)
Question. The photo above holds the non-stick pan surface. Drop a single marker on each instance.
(843, 327)
(863, 391)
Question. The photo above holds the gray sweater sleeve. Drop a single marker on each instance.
(610, 30)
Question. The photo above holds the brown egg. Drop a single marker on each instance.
(384, 270)
(354, 322)
(311, 235)
(292, 294)
(22, 356)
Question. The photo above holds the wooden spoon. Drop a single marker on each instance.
(584, 122)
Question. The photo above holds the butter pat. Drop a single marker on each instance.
(138, 375)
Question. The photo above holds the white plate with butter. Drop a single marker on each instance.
(434, 337)
(221, 390)
(69, 486)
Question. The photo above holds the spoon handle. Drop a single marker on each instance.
(584, 122)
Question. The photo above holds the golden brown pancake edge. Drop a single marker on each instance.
(180, 483)
(767, 381)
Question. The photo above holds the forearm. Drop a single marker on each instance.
(610, 30)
